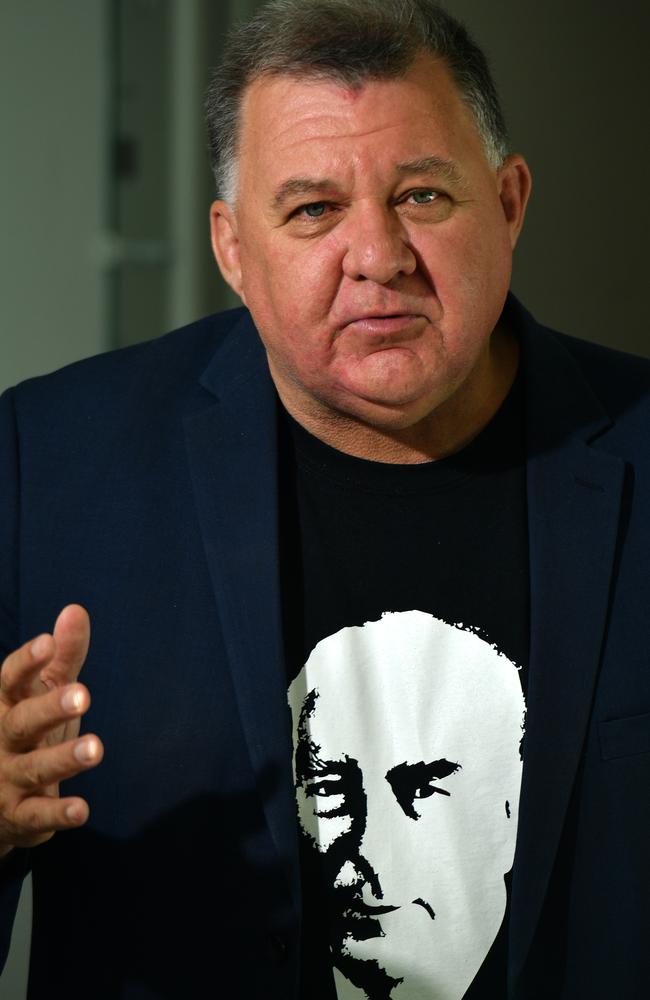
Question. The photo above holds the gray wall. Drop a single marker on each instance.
(52, 182)
(575, 82)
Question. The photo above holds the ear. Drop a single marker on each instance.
(514, 182)
(225, 244)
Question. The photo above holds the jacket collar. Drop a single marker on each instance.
(232, 449)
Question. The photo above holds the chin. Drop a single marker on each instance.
(397, 403)
(367, 975)
(388, 414)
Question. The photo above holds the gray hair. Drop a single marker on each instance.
(351, 42)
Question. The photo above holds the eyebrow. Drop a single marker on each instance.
(432, 166)
(319, 767)
(299, 186)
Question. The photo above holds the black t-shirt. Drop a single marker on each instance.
(406, 621)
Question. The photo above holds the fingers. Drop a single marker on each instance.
(21, 669)
(71, 641)
(41, 705)
(51, 660)
(35, 819)
(30, 808)
(37, 770)
(26, 723)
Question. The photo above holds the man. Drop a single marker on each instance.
(385, 434)
(406, 839)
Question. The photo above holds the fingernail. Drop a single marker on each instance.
(71, 700)
(40, 646)
(86, 751)
(73, 813)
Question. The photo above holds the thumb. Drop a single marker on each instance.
(71, 640)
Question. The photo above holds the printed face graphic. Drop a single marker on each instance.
(407, 768)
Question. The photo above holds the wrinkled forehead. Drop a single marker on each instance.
(285, 111)
(408, 684)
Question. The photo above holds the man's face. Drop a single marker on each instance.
(406, 738)
(371, 240)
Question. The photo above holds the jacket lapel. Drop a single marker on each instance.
(574, 494)
(232, 449)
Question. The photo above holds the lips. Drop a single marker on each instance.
(361, 909)
(360, 921)
(368, 315)
(381, 323)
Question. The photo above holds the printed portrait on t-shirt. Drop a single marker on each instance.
(407, 734)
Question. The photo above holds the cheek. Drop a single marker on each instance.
(292, 317)
(468, 256)
(295, 281)
(471, 278)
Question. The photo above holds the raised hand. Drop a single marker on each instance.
(41, 704)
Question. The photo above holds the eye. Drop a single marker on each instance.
(329, 796)
(329, 786)
(425, 196)
(315, 210)
(425, 791)
(425, 205)
(419, 780)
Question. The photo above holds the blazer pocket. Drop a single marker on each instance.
(624, 737)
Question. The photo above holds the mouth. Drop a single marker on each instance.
(381, 324)
(360, 909)
(361, 922)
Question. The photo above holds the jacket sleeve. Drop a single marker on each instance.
(15, 866)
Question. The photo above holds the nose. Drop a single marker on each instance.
(378, 248)
(357, 873)
(369, 870)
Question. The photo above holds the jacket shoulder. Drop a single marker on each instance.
(164, 367)
(620, 382)
(128, 402)
(614, 375)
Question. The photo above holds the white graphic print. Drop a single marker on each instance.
(407, 766)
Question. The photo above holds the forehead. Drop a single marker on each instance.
(288, 121)
(410, 684)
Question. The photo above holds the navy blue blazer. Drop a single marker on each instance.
(143, 485)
